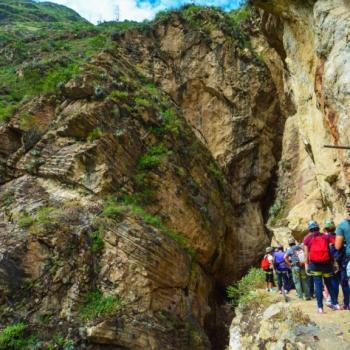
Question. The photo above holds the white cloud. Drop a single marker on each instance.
(95, 10)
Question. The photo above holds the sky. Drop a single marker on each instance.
(137, 10)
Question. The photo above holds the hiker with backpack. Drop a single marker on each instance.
(342, 242)
(339, 268)
(319, 264)
(268, 265)
(282, 269)
(295, 259)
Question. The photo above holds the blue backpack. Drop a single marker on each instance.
(280, 263)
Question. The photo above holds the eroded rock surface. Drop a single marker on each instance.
(313, 181)
(151, 196)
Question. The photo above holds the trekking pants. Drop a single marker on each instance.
(320, 272)
(300, 281)
(282, 279)
(311, 285)
(342, 280)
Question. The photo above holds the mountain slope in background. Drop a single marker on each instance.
(30, 11)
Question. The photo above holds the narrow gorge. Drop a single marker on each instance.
(144, 167)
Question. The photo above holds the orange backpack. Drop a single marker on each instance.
(265, 264)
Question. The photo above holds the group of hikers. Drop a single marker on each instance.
(317, 267)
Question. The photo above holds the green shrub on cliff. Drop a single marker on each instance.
(243, 292)
(25, 221)
(241, 14)
(154, 157)
(97, 304)
(14, 338)
(97, 243)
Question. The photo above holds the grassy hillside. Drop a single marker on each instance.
(30, 11)
(43, 45)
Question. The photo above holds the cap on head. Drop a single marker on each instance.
(329, 223)
(313, 225)
(291, 241)
(269, 250)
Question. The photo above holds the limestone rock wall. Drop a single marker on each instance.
(229, 97)
(152, 195)
(313, 181)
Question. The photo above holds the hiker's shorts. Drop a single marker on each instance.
(269, 275)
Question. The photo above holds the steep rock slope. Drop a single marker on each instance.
(313, 46)
(118, 226)
(206, 64)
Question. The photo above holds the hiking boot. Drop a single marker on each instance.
(345, 307)
(334, 307)
(320, 310)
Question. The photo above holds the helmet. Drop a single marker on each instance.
(291, 241)
(269, 250)
(312, 225)
(329, 223)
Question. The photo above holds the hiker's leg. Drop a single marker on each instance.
(285, 281)
(290, 280)
(310, 283)
(304, 285)
(318, 290)
(332, 286)
(279, 279)
(345, 287)
(272, 281)
(296, 279)
(337, 277)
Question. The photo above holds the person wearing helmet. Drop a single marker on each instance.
(342, 243)
(319, 263)
(268, 265)
(294, 258)
(339, 269)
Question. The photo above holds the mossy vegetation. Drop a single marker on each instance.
(241, 14)
(153, 157)
(129, 204)
(25, 221)
(97, 243)
(14, 337)
(206, 19)
(97, 304)
(95, 134)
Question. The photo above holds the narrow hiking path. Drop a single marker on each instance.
(271, 323)
(333, 325)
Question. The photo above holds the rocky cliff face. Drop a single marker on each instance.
(313, 47)
(132, 195)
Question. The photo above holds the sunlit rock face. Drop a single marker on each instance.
(142, 179)
(313, 181)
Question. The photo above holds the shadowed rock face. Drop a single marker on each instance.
(187, 164)
(313, 180)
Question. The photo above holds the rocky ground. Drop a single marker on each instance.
(274, 324)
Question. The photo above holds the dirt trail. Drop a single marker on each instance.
(333, 325)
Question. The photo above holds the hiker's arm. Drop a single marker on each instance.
(339, 240)
(286, 260)
(306, 255)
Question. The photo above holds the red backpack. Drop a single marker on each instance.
(265, 264)
(319, 250)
